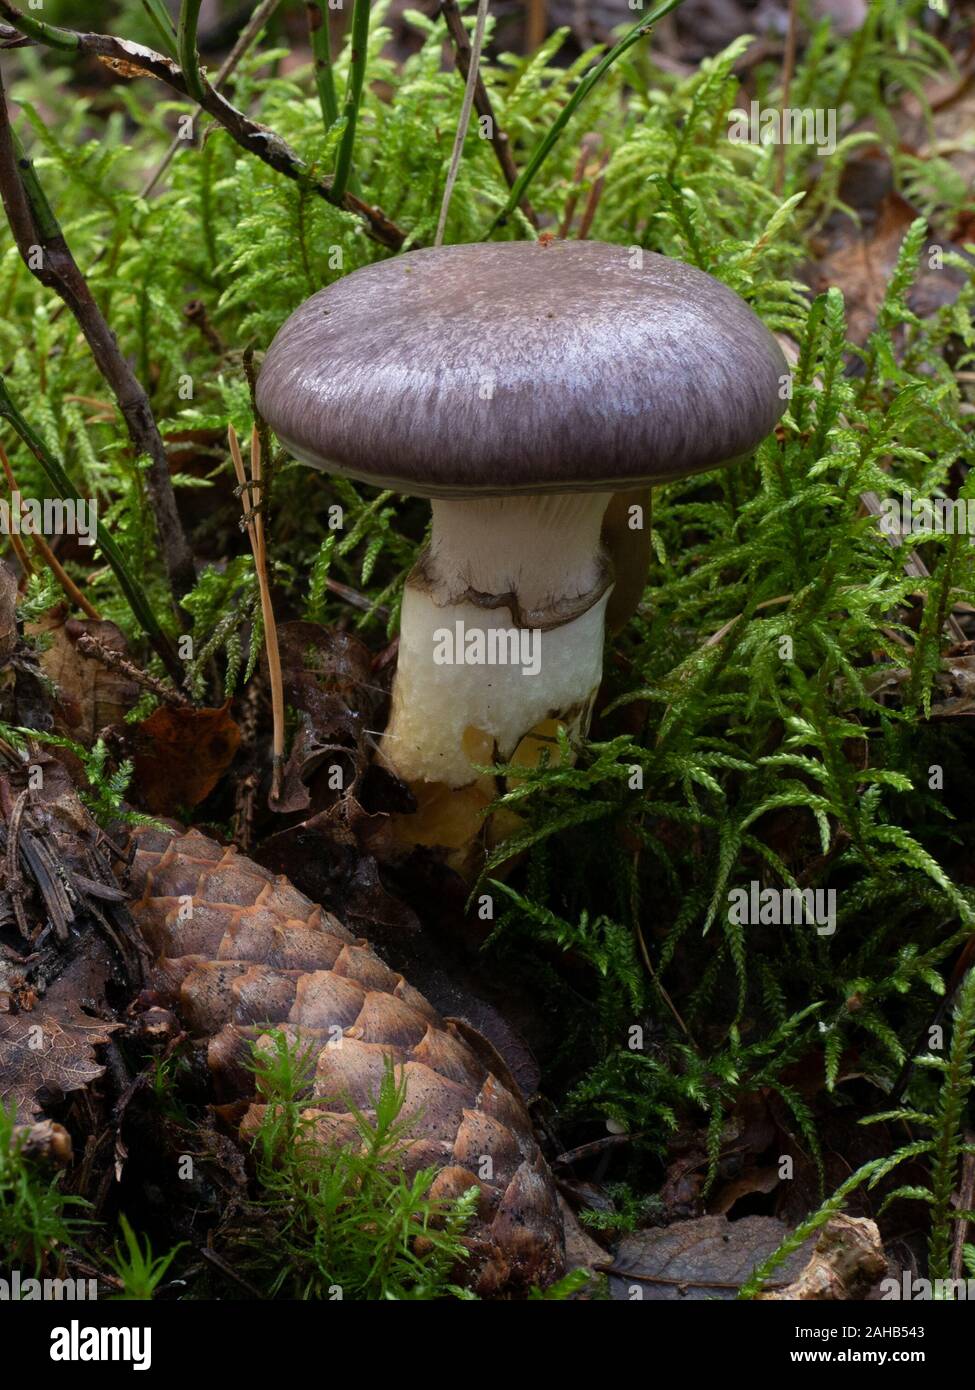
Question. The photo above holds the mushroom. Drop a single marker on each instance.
(533, 391)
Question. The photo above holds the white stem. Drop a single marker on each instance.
(501, 629)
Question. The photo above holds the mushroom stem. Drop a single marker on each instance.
(519, 585)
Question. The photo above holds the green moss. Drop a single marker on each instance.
(770, 695)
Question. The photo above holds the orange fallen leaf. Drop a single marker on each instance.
(180, 756)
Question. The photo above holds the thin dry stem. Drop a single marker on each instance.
(788, 68)
(536, 24)
(588, 146)
(91, 647)
(68, 585)
(966, 1200)
(463, 124)
(254, 522)
(482, 102)
(592, 202)
(226, 70)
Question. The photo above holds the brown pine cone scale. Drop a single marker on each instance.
(239, 950)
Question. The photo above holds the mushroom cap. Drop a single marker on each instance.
(500, 367)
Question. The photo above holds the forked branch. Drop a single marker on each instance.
(126, 60)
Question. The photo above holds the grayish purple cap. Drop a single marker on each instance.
(499, 367)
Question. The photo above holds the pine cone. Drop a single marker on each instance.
(240, 949)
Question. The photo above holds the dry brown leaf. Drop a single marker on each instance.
(122, 67)
(90, 695)
(54, 991)
(860, 260)
(861, 265)
(47, 1051)
(180, 756)
(753, 1180)
(8, 612)
(709, 1257)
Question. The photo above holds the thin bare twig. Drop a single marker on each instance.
(227, 1269)
(15, 541)
(473, 73)
(12, 878)
(914, 567)
(482, 102)
(672, 1282)
(595, 1146)
(588, 146)
(47, 255)
(356, 600)
(270, 631)
(250, 489)
(127, 60)
(966, 1201)
(536, 24)
(788, 68)
(592, 202)
(91, 647)
(226, 70)
(68, 585)
(246, 788)
(195, 312)
(23, 558)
